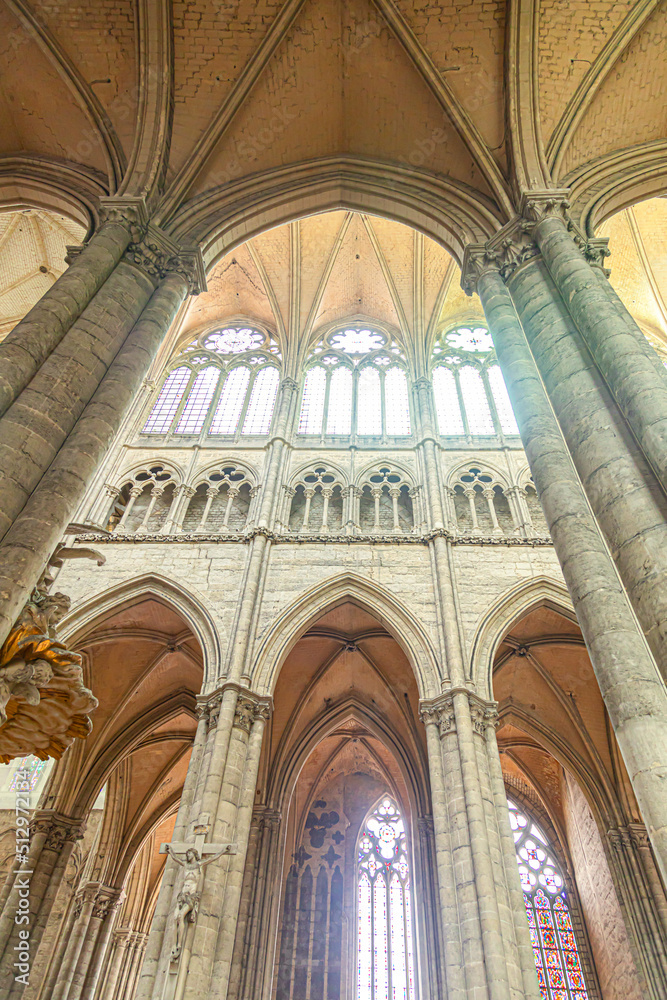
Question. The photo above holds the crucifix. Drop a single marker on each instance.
(196, 857)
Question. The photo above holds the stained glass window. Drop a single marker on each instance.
(357, 385)
(502, 401)
(396, 402)
(214, 380)
(447, 407)
(171, 393)
(557, 960)
(27, 771)
(339, 413)
(262, 400)
(468, 385)
(198, 401)
(385, 955)
(227, 413)
(475, 401)
(369, 403)
(312, 404)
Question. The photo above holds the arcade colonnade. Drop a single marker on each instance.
(590, 398)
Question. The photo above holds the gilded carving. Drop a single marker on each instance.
(44, 704)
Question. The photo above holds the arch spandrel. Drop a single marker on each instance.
(288, 627)
(446, 211)
(497, 620)
(192, 607)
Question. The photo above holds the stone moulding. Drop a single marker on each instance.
(300, 539)
(44, 704)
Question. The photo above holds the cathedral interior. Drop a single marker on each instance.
(333, 500)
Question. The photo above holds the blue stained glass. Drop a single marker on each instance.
(557, 961)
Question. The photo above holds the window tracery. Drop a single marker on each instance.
(224, 383)
(385, 956)
(356, 384)
(154, 501)
(559, 970)
(317, 502)
(469, 391)
(386, 502)
(481, 504)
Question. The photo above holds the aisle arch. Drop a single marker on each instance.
(288, 627)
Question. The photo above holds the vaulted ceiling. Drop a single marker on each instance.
(176, 99)
(208, 110)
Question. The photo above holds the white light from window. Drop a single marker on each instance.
(369, 403)
(339, 410)
(171, 393)
(357, 341)
(198, 402)
(232, 341)
(502, 401)
(447, 407)
(478, 413)
(397, 407)
(312, 404)
(262, 400)
(230, 404)
(467, 339)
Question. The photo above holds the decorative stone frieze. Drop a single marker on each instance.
(44, 704)
(306, 537)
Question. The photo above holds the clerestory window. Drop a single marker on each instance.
(468, 387)
(559, 972)
(224, 383)
(385, 951)
(356, 384)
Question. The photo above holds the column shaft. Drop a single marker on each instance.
(630, 684)
(40, 525)
(621, 351)
(29, 344)
(40, 419)
(628, 503)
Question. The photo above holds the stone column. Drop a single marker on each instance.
(211, 494)
(83, 909)
(165, 898)
(643, 901)
(119, 944)
(102, 509)
(135, 493)
(234, 883)
(623, 354)
(52, 840)
(102, 923)
(627, 501)
(258, 902)
(487, 947)
(38, 422)
(29, 344)
(283, 423)
(632, 689)
(41, 524)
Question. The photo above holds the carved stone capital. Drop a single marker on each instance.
(248, 709)
(57, 829)
(535, 206)
(106, 901)
(127, 211)
(157, 255)
(439, 712)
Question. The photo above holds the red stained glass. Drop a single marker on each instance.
(557, 962)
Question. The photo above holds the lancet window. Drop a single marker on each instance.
(557, 959)
(385, 950)
(356, 384)
(224, 383)
(469, 391)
